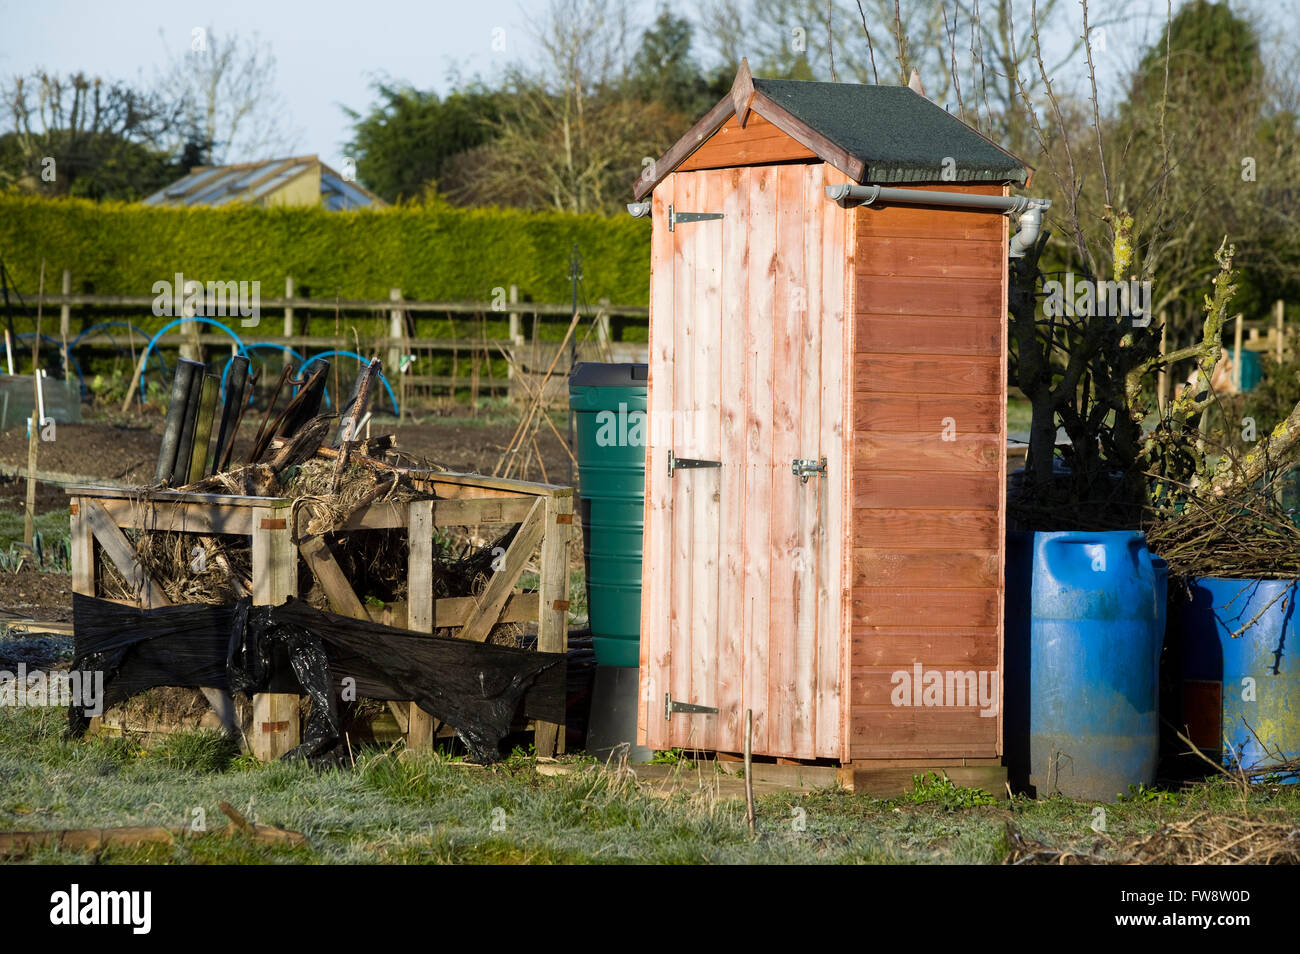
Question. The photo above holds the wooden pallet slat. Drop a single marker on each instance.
(480, 623)
(123, 556)
(420, 611)
(320, 560)
(544, 512)
(553, 613)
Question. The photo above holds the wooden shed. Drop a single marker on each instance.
(826, 460)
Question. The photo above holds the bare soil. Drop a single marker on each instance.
(33, 594)
(125, 453)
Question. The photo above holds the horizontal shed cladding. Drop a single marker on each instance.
(873, 685)
(927, 256)
(876, 647)
(927, 529)
(874, 566)
(925, 491)
(928, 460)
(921, 452)
(883, 732)
(968, 298)
(927, 335)
(755, 143)
(935, 374)
(933, 605)
(931, 414)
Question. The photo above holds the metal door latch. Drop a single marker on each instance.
(687, 463)
(803, 469)
(671, 706)
(674, 217)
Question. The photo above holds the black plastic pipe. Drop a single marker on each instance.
(185, 447)
(235, 382)
(175, 419)
(203, 427)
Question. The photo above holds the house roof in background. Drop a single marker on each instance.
(875, 134)
(251, 181)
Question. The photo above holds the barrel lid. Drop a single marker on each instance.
(594, 374)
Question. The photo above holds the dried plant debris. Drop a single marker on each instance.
(1246, 533)
(326, 491)
(1204, 839)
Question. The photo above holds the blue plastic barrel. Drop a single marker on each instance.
(1160, 567)
(1241, 694)
(1083, 638)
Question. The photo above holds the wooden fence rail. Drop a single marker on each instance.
(600, 340)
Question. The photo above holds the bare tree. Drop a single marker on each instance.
(972, 55)
(568, 138)
(227, 88)
(1145, 193)
(83, 134)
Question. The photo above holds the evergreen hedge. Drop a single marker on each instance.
(438, 252)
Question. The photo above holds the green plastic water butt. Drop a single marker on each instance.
(609, 407)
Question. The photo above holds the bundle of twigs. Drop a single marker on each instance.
(1210, 838)
(1269, 837)
(1022, 850)
(1245, 534)
(1207, 838)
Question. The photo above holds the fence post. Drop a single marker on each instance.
(1162, 374)
(288, 317)
(65, 318)
(1280, 339)
(419, 606)
(275, 579)
(190, 347)
(396, 331)
(604, 335)
(553, 587)
(516, 339)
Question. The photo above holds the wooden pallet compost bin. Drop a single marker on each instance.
(825, 469)
(543, 512)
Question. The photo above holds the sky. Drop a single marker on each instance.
(329, 52)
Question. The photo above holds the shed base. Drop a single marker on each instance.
(879, 778)
(885, 778)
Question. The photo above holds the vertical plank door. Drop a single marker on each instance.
(740, 590)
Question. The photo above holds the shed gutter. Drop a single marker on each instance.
(1030, 210)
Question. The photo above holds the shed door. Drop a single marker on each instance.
(736, 587)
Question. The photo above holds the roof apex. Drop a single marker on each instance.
(871, 133)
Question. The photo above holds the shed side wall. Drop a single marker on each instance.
(928, 479)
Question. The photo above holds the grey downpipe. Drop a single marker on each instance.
(1031, 220)
(1030, 210)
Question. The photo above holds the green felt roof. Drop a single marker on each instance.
(900, 135)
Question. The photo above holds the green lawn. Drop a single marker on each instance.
(430, 809)
(1019, 413)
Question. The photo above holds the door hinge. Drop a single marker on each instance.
(687, 463)
(671, 706)
(674, 217)
(803, 469)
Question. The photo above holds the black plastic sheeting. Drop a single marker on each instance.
(475, 688)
